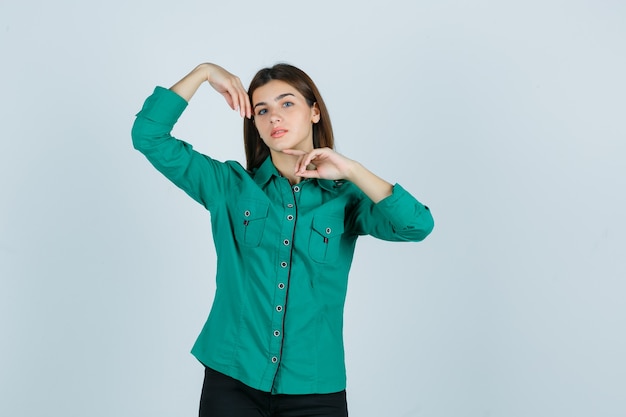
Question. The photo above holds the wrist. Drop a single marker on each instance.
(352, 170)
(203, 71)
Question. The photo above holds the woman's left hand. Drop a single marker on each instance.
(329, 165)
(326, 164)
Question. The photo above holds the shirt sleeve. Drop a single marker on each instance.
(201, 177)
(399, 217)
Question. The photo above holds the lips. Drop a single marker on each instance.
(278, 132)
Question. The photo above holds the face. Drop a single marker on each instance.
(283, 117)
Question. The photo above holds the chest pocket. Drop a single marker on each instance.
(250, 221)
(325, 238)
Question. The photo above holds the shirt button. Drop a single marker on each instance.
(286, 242)
(328, 230)
(281, 286)
(283, 264)
(246, 213)
(279, 308)
(290, 217)
(274, 359)
(276, 333)
(290, 205)
(296, 188)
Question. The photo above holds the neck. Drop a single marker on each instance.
(285, 164)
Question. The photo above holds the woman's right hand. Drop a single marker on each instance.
(225, 83)
(230, 87)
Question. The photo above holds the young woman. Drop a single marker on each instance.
(285, 229)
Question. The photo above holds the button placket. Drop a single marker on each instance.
(285, 247)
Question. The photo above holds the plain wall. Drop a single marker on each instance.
(505, 117)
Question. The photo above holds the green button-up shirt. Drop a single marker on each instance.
(283, 256)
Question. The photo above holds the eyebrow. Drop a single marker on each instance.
(280, 97)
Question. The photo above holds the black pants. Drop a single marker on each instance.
(223, 396)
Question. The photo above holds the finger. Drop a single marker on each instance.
(240, 100)
(249, 104)
(245, 100)
(310, 173)
(229, 99)
(234, 94)
(233, 90)
(310, 157)
(299, 167)
(246, 111)
(238, 95)
(304, 163)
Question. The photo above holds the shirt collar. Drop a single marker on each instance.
(266, 170)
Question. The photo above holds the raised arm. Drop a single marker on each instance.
(203, 178)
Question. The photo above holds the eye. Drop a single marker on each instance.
(287, 104)
(261, 112)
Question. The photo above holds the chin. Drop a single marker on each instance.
(279, 146)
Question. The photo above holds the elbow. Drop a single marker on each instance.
(425, 230)
(427, 224)
(418, 234)
(419, 229)
(138, 135)
(135, 135)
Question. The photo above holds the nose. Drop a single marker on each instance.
(274, 117)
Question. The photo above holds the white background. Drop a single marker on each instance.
(505, 117)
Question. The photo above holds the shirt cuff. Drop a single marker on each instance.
(163, 106)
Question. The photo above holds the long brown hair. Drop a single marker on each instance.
(256, 150)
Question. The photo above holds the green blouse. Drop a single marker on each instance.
(283, 256)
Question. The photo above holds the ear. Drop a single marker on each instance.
(315, 113)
